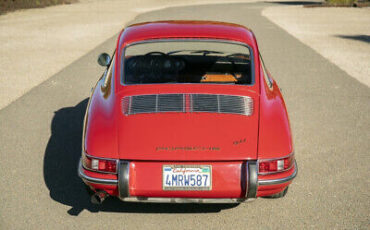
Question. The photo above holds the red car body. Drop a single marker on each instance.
(242, 152)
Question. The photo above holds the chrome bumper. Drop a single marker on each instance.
(185, 200)
(124, 196)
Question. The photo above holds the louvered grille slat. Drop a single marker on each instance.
(171, 103)
(231, 104)
(204, 103)
(143, 104)
(212, 103)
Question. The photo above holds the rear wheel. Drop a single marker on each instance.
(278, 195)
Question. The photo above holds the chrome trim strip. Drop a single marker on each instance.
(184, 200)
(280, 180)
(94, 180)
(99, 158)
(277, 158)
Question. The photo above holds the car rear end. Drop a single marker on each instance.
(186, 126)
(203, 150)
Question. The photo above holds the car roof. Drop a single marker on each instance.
(187, 29)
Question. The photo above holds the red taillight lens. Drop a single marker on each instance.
(275, 165)
(102, 165)
(107, 165)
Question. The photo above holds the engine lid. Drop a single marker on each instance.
(188, 127)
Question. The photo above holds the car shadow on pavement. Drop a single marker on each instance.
(61, 158)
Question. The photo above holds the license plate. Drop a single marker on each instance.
(187, 177)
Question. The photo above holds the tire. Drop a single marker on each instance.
(278, 195)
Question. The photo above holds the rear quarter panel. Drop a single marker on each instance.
(275, 138)
(100, 128)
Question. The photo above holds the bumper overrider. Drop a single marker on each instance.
(252, 184)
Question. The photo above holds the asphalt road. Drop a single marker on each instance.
(40, 144)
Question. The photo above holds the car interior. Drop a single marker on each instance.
(184, 66)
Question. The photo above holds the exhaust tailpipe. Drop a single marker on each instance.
(99, 197)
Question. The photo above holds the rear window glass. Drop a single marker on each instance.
(184, 61)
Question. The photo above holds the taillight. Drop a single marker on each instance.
(99, 164)
(275, 165)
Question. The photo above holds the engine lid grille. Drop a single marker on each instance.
(210, 103)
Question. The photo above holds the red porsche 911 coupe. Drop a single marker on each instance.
(186, 112)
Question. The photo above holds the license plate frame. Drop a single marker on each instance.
(184, 170)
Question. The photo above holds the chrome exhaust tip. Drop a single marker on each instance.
(99, 197)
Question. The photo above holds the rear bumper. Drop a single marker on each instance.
(185, 200)
(253, 185)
